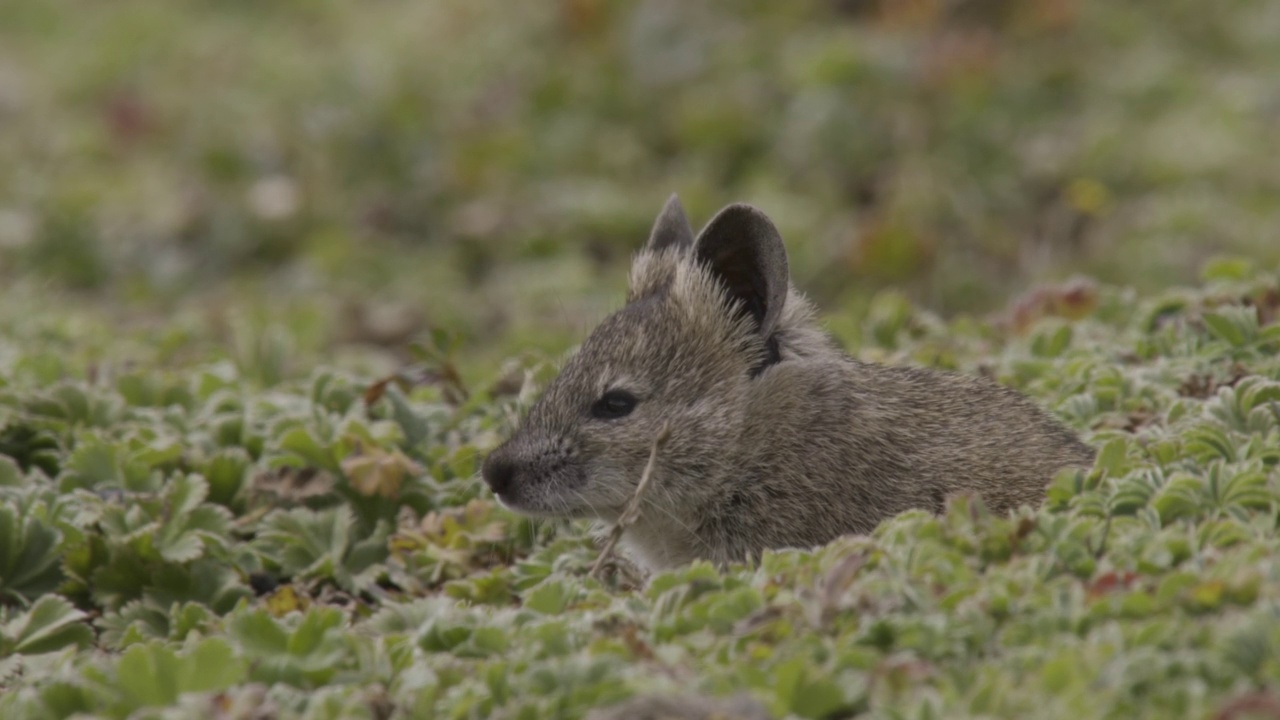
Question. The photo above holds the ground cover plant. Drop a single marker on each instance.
(185, 535)
(273, 276)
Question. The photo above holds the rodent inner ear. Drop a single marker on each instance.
(743, 250)
(613, 405)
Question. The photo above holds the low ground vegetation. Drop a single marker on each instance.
(274, 276)
(187, 531)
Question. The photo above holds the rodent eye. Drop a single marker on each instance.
(613, 405)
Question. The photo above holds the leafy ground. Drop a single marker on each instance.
(182, 534)
(273, 276)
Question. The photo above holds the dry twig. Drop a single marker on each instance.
(631, 512)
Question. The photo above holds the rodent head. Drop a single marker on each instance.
(700, 325)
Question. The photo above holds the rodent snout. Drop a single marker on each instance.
(499, 471)
(532, 475)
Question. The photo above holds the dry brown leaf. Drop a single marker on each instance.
(293, 484)
(1075, 299)
(375, 471)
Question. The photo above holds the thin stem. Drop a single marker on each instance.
(632, 511)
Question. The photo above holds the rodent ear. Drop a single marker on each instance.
(672, 228)
(744, 251)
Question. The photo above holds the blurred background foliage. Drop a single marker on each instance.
(382, 171)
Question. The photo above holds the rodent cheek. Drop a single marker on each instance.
(605, 489)
(614, 461)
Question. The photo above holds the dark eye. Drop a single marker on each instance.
(613, 405)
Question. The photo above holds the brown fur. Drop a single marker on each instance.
(779, 439)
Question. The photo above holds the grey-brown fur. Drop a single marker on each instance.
(778, 438)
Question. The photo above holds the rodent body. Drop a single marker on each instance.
(778, 438)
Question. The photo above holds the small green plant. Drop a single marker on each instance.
(324, 545)
(206, 540)
(30, 562)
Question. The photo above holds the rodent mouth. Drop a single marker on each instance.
(538, 510)
(544, 490)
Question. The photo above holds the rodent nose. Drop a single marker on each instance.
(498, 471)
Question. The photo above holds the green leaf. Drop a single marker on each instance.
(1181, 497)
(190, 525)
(259, 634)
(1051, 343)
(415, 425)
(135, 622)
(210, 665)
(1112, 457)
(226, 473)
(310, 633)
(50, 624)
(152, 674)
(1060, 673)
(323, 545)
(94, 463)
(548, 598)
(207, 581)
(1238, 326)
(10, 474)
(801, 692)
(29, 559)
(1224, 267)
(300, 442)
(308, 655)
